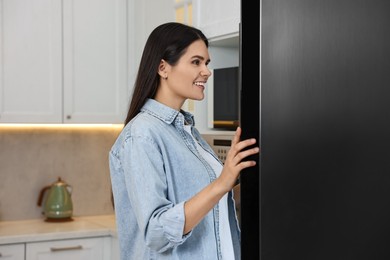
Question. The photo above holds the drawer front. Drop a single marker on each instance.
(75, 249)
(12, 252)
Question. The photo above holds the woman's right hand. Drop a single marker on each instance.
(234, 163)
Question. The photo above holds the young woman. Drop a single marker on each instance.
(173, 197)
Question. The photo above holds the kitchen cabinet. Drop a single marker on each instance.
(96, 248)
(115, 248)
(88, 237)
(63, 61)
(12, 252)
(31, 61)
(148, 15)
(76, 249)
(218, 19)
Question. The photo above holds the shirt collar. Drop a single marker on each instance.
(167, 114)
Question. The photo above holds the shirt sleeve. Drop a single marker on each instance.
(159, 219)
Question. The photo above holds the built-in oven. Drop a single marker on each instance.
(221, 141)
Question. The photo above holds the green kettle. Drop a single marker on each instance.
(58, 204)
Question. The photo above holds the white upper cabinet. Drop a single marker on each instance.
(95, 61)
(218, 19)
(30, 61)
(63, 61)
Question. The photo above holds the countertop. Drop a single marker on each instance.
(35, 230)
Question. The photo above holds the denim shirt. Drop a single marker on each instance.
(155, 168)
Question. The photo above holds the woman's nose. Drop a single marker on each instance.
(205, 73)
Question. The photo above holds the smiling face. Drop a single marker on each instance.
(186, 79)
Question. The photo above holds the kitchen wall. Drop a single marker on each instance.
(32, 157)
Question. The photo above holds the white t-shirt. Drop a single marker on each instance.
(224, 226)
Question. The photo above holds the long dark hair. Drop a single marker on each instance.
(169, 42)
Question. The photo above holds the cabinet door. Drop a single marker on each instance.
(115, 252)
(95, 61)
(217, 19)
(12, 252)
(75, 249)
(30, 61)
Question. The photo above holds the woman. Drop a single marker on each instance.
(173, 197)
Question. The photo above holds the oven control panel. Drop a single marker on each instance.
(220, 143)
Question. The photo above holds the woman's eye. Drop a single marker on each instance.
(196, 62)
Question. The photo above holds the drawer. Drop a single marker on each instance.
(97, 248)
(12, 252)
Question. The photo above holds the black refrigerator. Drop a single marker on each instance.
(315, 92)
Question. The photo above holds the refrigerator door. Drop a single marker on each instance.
(324, 173)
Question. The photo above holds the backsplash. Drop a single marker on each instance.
(34, 157)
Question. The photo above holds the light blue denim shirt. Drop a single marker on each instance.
(155, 168)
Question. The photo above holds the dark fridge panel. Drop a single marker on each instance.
(249, 121)
(324, 129)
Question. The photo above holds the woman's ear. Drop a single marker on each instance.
(162, 69)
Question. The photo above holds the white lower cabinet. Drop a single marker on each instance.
(98, 248)
(12, 252)
(115, 248)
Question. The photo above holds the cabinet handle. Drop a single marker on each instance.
(56, 249)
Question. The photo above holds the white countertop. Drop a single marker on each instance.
(39, 230)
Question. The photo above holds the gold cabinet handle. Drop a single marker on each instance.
(56, 249)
